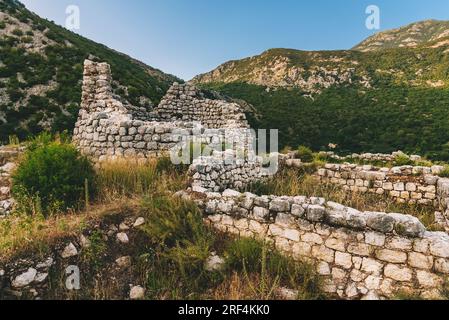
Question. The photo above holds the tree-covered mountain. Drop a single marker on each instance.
(41, 67)
(380, 100)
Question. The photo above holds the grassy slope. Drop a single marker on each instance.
(62, 63)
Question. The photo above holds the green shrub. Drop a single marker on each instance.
(17, 32)
(2, 25)
(305, 154)
(53, 174)
(403, 160)
(445, 172)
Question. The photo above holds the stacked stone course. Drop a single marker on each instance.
(380, 157)
(215, 173)
(361, 255)
(8, 159)
(187, 103)
(406, 184)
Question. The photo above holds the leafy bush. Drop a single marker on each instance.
(403, 160)
(445, 172)
(305, 154)
(53, 174)
(17, 32)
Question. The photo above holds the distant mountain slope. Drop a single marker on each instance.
(373, 101)
(410, 36)
(314, 71)
(41, 67)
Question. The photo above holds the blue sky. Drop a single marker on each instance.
(188, 37)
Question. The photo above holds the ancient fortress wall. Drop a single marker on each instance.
(378, 157)
(8, 159)
(109, 127)
(216, 173)
(406, 184)
(185, 102)
(367, 255)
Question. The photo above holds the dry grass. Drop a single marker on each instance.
(293, 183)
(119, 187)
(241, 287)
(134, 179)
(21, 233)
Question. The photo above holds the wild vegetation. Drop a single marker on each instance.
(171, 249)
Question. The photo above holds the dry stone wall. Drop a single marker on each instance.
(361, 255)
(369, 157)
(8, 159)
(108, 126)
(224, 170)
(184, 102)
(406, 184)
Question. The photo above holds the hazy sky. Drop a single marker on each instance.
(188, 37)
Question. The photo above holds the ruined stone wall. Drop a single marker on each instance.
(108, 126)
(8, 159)
(184, 102)
(406, 184)
(366, 255)
(224, 170)
(370, 157)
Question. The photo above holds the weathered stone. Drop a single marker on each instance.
(398, 273)
(360, 249)
(312, 238)
(298, 210)
(25, 278)
(323, 253)
(380, 222)
(123, 262)
(279, 206)
(316, 213)
(122, 238)
(69, 251)
(408, 225)
(371, 266)
(261, 213)
(214, 263)
(375, 239)
(343, 259)
(419, 260)
(137, 293)
(391, 256)
(428, 280)
(335, 244)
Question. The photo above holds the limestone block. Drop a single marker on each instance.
(398, 273)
